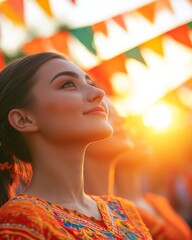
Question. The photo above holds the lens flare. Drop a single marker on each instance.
(158, 117)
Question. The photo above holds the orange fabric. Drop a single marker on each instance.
(170, 226)
(27, 217)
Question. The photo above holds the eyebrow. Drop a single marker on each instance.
(68, 73)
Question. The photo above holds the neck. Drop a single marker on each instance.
(57, 173)
(128, 184)
(96, 175)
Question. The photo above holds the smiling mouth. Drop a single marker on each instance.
(97, 110)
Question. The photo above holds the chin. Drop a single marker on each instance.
(102, 134)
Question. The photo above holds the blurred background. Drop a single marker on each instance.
(140, 52)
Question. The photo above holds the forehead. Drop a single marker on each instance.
(53, 66)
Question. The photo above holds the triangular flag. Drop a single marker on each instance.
(120, 21)
(100, 27)
(2, 62)
(35, 46)
(14, 10)
(164, 4)
(73, 1)
(103, 72)
(85, 36)
(135, 53)
(45, 5)
(60, 42)
(181, 34)
(155, 44)
(148, 11)
(189, 24)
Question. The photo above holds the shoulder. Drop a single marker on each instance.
(21, 210)
(21, 218)
(164, 208)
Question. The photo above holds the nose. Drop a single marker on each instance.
(96, 94)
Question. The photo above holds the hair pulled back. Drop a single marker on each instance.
(16, 81)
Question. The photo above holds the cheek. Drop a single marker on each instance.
(58, 111)
(61, 105)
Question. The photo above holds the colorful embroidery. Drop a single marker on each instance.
(27, 217)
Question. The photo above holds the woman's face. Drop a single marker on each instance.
(69, 108)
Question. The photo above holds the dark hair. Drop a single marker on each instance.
(16, 80)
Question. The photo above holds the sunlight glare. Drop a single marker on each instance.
(158, 117)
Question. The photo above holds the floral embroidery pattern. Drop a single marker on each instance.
(27, 217)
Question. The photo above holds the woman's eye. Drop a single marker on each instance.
(68, 84)
(92, 83)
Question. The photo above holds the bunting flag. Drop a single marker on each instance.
(85, 36)
(45, 5)
(73, 1)
(181, 34)
(100, 27)
(103, 72)
(120, 21)
(155, 44)
(148, 11)
(14, 10)
(164, 4)
(60, 42)
(2, 62)
(135, 53)
(35, 46)
(189, 24)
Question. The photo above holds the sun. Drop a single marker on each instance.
(158, 117)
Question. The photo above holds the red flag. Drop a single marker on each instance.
(120, 21)
(2, 62)
(181, 34)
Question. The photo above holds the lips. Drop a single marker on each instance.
(98, 109)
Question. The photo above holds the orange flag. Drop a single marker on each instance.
(156, 44)
(60, 42)
(103, 72)
(100, 27)
(45, 5)
(14, 10)
(148, 11)
(181, 34)
(35, 46)
(120, 21)
(164, 4)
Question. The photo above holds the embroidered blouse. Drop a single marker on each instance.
(171, 227)
(30, 218)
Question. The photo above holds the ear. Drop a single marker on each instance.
(22, 121)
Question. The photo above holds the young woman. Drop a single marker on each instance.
(50, 111)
